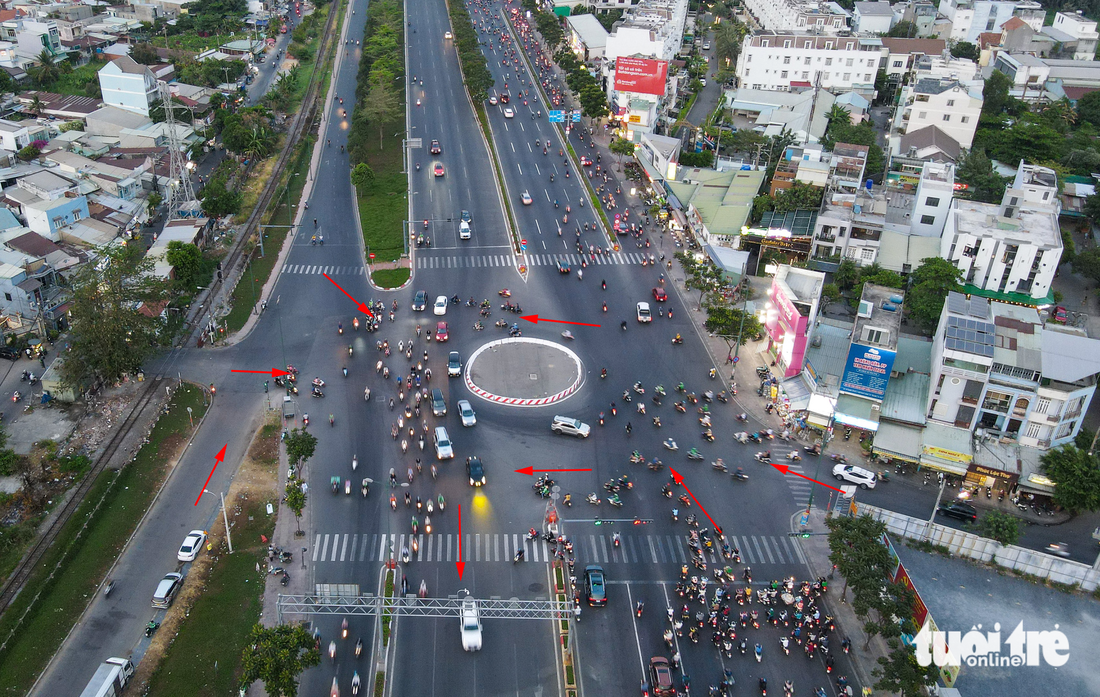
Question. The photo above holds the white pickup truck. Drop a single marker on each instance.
(109, 679)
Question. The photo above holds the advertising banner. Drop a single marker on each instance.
(867, 371)
(642, 75)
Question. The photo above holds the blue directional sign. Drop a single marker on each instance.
(576, 117)
(557, 116)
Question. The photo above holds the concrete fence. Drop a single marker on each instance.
(967, 544)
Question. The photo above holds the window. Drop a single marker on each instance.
(850, 45)
(867, 254)
(867, 77)
(950, 102)
(841, 231)
(828, 61)
(786, 60)
(922, 115)
(847, 77)
(764, 43)
(1033, 430)
(849, 63)
(829, 46)
(807, 60)
(7, 296)
(875, 336)
(966, 119)
(932, 201)
(825, 76)
(783, 75)
(786, 44)
(805, 75)
(748, 59)
(1066, 429)
(927, 219)
(947, 117)
(747, 74)
(1042, 405)
(897, 64)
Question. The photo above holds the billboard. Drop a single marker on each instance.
(867, 371)
(643, 75)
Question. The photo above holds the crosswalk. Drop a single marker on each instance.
(425, 261)
(800, 487)
(498, 547)
(306, 269)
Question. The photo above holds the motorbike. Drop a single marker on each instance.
(151, 627)
(593, 499)
(740, 475)
(670, 444)
(719, 466)
(347, 486)
(694, 454)
(764, 457)
(759, 652)
(365, 487)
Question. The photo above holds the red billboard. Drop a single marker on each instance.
(644, 75)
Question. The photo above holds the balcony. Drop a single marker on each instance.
(825, 237)
(973, 401)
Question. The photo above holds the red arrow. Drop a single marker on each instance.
(460, 564)
(275, 372)
(361, 306)
(679, 479)
(217, 461)
(536, 319)
(531, 471)
(785, 469)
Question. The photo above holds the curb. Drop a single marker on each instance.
(517, 401)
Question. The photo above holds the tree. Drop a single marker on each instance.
(186, 263)
(976, 171)
(381, 107)
(1025, 140)
(1092, 208)
(622, 148)
(903, 30)
(37, 106)
(900, 673)
(154, 199)
(726, 322)
(144, 54)
(995, 94)
(296, 500)
(1076, 476)
(71, 126)
(856, 549)
(110, 337)
(1088, 108)
(28, 153)
(878, 276)
(218, 201)
(965, 49)
(929, 286)
(1087, 263)
(362, 176)
(300, 446)
(830, 292)
(838, 113)
(277, 655)
(800, 196)
(45, 72)
(1002, 527)
(727, 43)
(846, 274)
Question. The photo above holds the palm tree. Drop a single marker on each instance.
(45, 73)
(838, 113)
(37, 106)
(1061, 111)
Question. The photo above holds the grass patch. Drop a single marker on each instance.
(386, 618)
(569, 680)
(259, 269)
(87, 554)
(14, 541)
(75, 82)
(379, 683)
(390, 278)
(382, 210)
(230, 602)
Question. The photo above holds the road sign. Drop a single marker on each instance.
(556, 116)
(523, 242)
(371, 255)
(576, 116)
(805, 520)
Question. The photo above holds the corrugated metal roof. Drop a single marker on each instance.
(1069, 357)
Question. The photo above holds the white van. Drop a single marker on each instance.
(464, 230)
(443, 449)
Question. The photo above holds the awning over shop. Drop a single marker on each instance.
(945, 448)
(798, 395)
(820, 411)
(856, 412)
(898, 442)
(679, 221)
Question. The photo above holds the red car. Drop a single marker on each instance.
(659, 295)
(1060, 314)
(438, 169)
(441, 334)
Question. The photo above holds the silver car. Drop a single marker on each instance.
(469, 418)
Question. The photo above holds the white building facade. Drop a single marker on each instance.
(969, 18)
(129, 85)
(1082, 29)
(793, 15)
(949, 105)
(779, 60)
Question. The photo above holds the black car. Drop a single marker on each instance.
(959, 510)
(420, 300)
(9, 353)
(436, 149)
(595, 586)
(466, 217)
(475, 471)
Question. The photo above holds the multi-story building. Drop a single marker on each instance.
(798, 15)
(790, 316)
(922, 14)
(128, 85)
(950, 105)
(870, 358)
(1012, 250)
(1082, 29)
(774, 60)
(872, 17)
(969, 18)
(902, 54)
(999, 373)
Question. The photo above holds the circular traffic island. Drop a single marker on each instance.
(523, 372)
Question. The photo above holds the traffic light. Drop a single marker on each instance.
(640, 521)
(600, 521)
(804, 533)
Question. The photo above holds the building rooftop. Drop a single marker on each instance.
(589, 29)
(1068, 357)
(1018, 341)
(929, 47)
(1038, 228)
(867, 9)
(827, 354)
(723, 199)
(879, 308)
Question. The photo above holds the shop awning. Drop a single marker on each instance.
(898, 442)
(945, 448)
(857, 412)
(798, 395)
(820, 411)
(679, 221)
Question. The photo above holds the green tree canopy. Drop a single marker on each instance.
(1076, 476)
(903, 30)
(362, 176)
(1087, 262)
(965, 49)
(847, 274)
(800, 196)
(186, 262)
(110, 336)
(1000, 526)
(1088, 108)
(300, 445)
(219, 201)
(856, 549)
(621, 147)
(45, 72)
(382, 106)
(144, 53)
(296, 499)
(725, 321)
(899, 672)
(930, 284)
(975, 169)
(278, 655)
(878, 276)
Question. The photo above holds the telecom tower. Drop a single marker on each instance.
(181, 197)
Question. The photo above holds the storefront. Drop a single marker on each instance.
(897, 441)
(857, 412)
(981, 475)
(819, 413)
(945, 448)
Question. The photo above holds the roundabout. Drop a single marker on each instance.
(523, 372)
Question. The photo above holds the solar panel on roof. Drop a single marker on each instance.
(956, 303)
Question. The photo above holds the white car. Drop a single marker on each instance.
(644, 315)
(440, 307)
(866, 479)
(471, 625)
(464, 232)
(448, 35)
(706, 45)
(508, 113)
(703, 81)
(469, 418)
(443, 449)
(192, 545)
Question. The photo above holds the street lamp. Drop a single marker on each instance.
(225, 518)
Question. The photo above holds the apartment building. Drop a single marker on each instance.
(1008, 251)
(872, 17)
(1080, 28)
(780, 60)
(998, 372)
(969, 18)
(950, 105)
(798, 15)
(129, 85)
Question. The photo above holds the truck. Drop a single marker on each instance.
(109, 679)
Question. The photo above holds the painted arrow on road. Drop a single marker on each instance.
(361, 306)
(531, 470)
(274, 372)
(217, 461)
(535, 319)
(785, 469)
